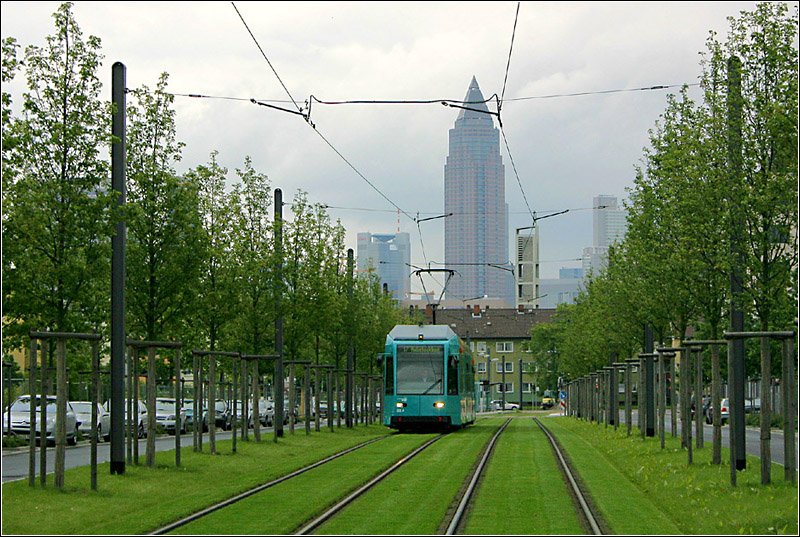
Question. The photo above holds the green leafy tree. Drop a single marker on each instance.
(56, 196)
(165, 233)
(253, 249)
(216, 296)
(762, 175)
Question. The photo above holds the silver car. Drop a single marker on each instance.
(141, 418)
(166, 415)
(20, 419)
(83, 412)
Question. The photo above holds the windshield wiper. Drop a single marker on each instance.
(432, 386)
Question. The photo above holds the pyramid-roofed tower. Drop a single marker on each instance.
(474, 191)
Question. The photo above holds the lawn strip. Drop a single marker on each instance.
(522, 462)
(415, 498)
(144, 499)
(658, 484)
(284, 507)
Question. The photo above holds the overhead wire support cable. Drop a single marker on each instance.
(508, 63)
(308, 118)
(267, 59)
(600, 92)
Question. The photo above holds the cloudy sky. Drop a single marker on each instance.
(566, 149)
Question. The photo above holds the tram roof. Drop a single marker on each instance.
(428, 331)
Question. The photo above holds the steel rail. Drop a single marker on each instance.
(584, 505)
(259, 488)
(465, 499)
(311, 526)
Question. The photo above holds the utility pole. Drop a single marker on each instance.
(736, 346)
(117, 463)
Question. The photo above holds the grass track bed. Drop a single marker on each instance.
(144, 499)
(522, 491)
(284, 507)
(641, 489)
(415, 498)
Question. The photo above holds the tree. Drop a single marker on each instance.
(165, 246)
(253, 250)
(216, 296)
(56, 256)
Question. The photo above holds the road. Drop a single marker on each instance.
(752, 436)
(15, 461)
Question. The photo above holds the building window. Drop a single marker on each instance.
(482, 347)
(508, 387)
(527, 387)
(509, 367)
(482, 367)
(504, 346)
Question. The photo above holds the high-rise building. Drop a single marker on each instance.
(609, 225)
(476, 235)
(526, 270)
(389, 256)
(608, 221)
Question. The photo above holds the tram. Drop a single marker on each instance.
(429, 379)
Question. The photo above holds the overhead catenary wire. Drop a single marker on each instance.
(307, 118)
(655, 87)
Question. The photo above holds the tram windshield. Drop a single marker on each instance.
(420, 369)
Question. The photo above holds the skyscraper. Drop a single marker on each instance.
(609, 225)
(476, 235)
(389, 256)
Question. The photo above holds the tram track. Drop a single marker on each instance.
(317, 521)
(457, 520)
(250, 492)
(590, 519)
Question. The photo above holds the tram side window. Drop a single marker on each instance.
(389, 365)
(452, 376)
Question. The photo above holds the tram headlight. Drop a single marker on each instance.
(439, 404)
(400, 404)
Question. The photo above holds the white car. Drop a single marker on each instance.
(141, 420)
(83, 412)
(20, 419)
(498, 404)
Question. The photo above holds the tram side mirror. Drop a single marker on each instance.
(379, 359)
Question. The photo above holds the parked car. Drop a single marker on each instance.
(20, 419)
(188, 410)
(498, 404)
(167, 417)
(724, 407)
(752, 405)
(223, 414)
(141, 416)
(83, 413)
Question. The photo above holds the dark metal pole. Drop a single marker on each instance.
(278, 380)
(650, 410)
(117, 465)
(734, 128)
(348, 385)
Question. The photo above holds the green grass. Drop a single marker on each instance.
(641, 489)
(144, 499)
(305, 495)
(415, 498)
(522, 491)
